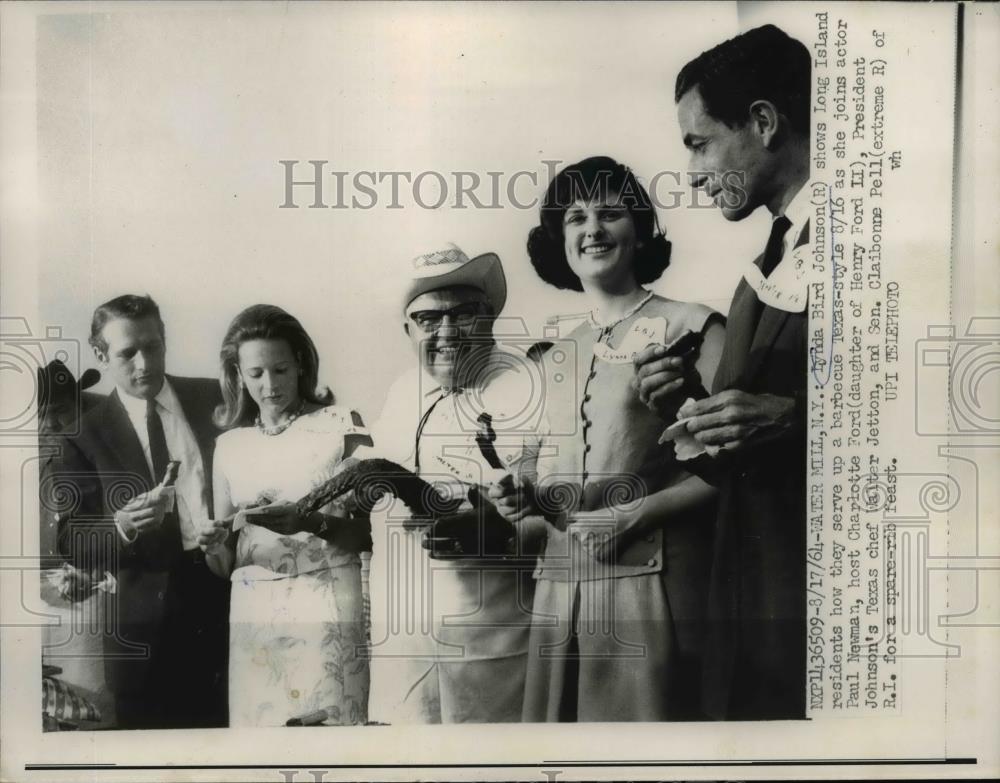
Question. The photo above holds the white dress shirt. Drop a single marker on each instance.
(191, 486)
(426, 612)
(448, 450)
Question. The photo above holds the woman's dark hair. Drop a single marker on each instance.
(595, 179)
(264, 322)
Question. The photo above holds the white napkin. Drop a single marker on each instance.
(686, 446)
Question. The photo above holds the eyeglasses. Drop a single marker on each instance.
(462, 316)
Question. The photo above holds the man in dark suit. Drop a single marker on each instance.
(743, 109)
(167, 625)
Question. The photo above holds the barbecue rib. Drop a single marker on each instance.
(370, 479)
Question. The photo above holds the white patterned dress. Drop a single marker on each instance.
(297, 631)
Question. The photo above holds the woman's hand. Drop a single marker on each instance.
(514, 497)
(604, 540)
(212, 533)
(664, 376)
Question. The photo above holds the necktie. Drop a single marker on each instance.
(746, 313)
(157, 441)
(772, 251)
(772, 255)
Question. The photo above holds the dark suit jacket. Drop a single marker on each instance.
(755, 651)
(102, 467)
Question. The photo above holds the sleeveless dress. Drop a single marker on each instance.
(619, 640)
(297, 628)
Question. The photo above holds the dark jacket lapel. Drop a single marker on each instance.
(739, 332)
(771, 322)
(120, 437)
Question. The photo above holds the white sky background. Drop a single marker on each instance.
(160, 128)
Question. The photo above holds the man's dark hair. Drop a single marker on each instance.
(128, 306)
(760, 64)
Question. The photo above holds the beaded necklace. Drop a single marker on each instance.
(277, 429)
(606, 328)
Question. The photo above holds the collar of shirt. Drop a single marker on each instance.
(797, 211)
(136, 407)
(431, 389)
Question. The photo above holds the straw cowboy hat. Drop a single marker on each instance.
(449, 267)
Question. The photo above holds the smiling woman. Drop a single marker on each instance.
(598, 211)
(600, 243)
(599, 234)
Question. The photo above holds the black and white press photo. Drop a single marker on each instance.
(521, 391)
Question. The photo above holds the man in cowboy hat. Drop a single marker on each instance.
(451, 645)
(62, 399)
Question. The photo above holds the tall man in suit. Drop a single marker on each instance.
(166, 636)
(743, 109)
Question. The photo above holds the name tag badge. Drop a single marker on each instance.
(787, 288)
(643, 332)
